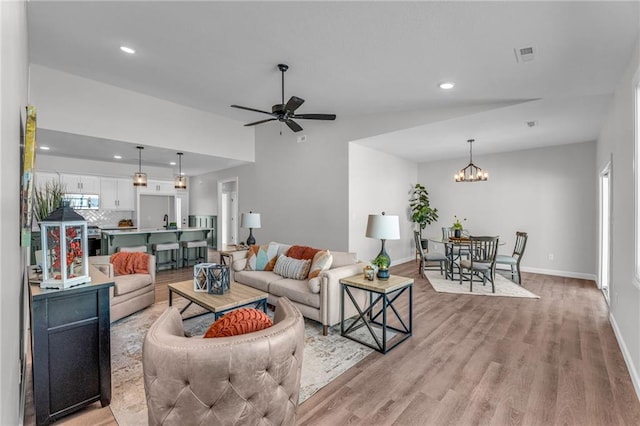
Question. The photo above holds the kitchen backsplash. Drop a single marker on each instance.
(105, 217)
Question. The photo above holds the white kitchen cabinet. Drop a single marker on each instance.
(42, 178)
(80, 184)
(116, 194)
(158, 187)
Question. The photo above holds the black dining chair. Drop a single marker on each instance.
(514, 260)
(482, 261)
(429, 257)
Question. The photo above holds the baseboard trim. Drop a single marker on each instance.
(404, 260)
(635, 379)
(557, 273)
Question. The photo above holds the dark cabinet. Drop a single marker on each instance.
(70, 341)
(206, 221)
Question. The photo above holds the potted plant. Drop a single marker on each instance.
(47, 198)
(382, 262)
(457, 227)
(421, 211)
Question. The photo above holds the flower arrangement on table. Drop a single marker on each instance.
(73, 248)
(457, 224)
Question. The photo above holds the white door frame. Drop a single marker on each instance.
(605, 225)
(222, 215)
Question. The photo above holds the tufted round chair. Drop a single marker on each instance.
(251, 379)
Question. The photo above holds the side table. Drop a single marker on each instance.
(382, 296)
(227, 253)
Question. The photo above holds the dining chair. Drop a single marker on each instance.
(514, 260)
(482, 260)
(448, 232)
(429, 257)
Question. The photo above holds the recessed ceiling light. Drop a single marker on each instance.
(173, 163)
(128, 50)
(117, 157)
(446, 85)
(45, 148)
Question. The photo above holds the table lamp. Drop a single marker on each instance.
(250, 220)
(384, 227)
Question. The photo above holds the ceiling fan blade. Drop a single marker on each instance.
(315, 116)
(251, 109)
(261, 121)
(293, 104)
(293, 125)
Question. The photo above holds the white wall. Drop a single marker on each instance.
(617, 140)
(302, 189)
(380, 182)
(13, 95)
(78, 105)
(548, 192)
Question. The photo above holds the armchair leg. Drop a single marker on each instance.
(325, 330)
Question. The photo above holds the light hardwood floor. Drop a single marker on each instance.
(477, 360)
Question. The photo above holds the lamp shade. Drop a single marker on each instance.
(250, 220)
(383, 227)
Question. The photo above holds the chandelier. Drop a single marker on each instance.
(471, 173)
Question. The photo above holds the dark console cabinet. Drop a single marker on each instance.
(70, 345)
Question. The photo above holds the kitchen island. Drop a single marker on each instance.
(112, 239)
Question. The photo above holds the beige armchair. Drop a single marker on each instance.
(251, 379)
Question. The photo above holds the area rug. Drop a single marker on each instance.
(324, 359)
(504, 287)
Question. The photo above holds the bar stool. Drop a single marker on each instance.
(173, 247)
(130, 249)
(201, 255)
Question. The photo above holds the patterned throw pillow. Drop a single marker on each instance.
(262, 258)
(321, 262)
(240, 321)
(302, 252)
(289, 267)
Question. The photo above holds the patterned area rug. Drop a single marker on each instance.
(504, 287)
(324, 359)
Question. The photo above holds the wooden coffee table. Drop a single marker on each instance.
(238, 296)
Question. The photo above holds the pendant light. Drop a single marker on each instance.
(471, 173)
(139, 178)
(180, 182)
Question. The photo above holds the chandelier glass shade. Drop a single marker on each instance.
(180, 181)
(471, 173)
(139, 178)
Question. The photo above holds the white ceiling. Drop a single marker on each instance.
(353, 58)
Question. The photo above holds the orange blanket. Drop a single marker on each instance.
(126, 263)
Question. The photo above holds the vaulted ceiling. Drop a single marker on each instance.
(358, 58)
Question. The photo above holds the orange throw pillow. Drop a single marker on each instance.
(125, 263)
(302, 252)
(240, 321)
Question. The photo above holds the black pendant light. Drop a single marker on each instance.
(180, 181)
(139, 178)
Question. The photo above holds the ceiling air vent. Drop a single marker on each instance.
(525, 54)
(532, 123)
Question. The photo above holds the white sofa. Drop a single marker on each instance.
(323, 306)
(130, 293)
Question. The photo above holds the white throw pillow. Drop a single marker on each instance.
(314, 285)
(288, 267)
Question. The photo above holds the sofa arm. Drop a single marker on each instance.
(330, 289)
(102, 264)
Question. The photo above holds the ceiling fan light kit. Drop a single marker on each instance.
(285, 112)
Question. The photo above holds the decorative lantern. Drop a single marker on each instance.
(64, 249)
(211, 277)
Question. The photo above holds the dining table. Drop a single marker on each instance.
(454, 248)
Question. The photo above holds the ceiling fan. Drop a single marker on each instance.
(285, 113)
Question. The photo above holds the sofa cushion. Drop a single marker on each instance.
(321, 262)
(256, 279)
(314, 285)
(240, 321)
(341, 259)
(295, 290)
(128, 283)
(288, 267)
(262, 258)
(302, 252)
